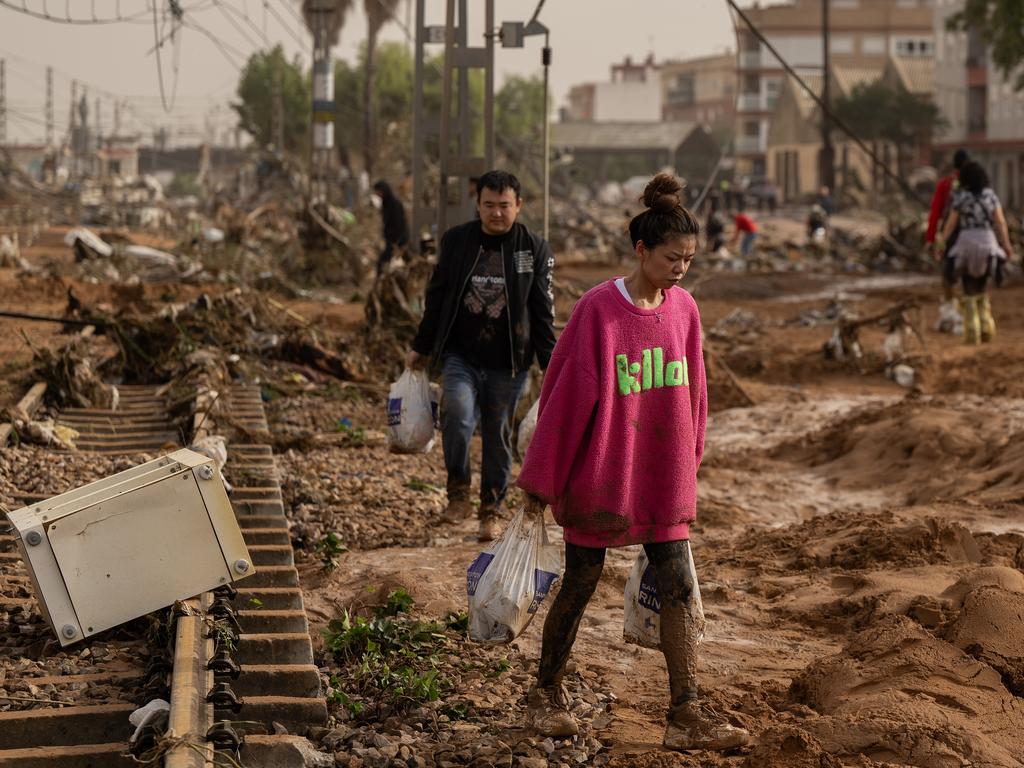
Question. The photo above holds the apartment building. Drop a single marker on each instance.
(632, 95)
(864, 34)
(701, 90)
(983, 111)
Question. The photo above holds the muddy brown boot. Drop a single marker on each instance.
(972, 319)
(988, 323)
(490, 523)
(457, 511)
(697, 726)
(548, 710)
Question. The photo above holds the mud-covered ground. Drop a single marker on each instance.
(860, 548)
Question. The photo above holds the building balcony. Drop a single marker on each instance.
(751, 102)
(751, 60)
(751, 145)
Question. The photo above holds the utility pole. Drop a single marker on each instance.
(117, 117)
(99, 130)
(827, 159)
(49, 107)
(324, 110)
(73, 137)
(3, 102)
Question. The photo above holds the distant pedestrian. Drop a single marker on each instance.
(937, 216)
(747, 230)
(825, 201)
(395, 227)
(981, 249)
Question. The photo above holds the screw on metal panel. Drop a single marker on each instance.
(242, 566)
(206, 472)
(69, 631)
(33, 538)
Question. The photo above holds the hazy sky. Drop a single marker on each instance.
(116, 59)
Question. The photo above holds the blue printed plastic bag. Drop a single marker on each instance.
(642, 624)
(412, 413)
(507, 582)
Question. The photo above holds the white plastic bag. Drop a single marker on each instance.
(642, 624)
(508, 580)
(412, 413)
(526, 429)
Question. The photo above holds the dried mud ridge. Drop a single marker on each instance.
(70, 707)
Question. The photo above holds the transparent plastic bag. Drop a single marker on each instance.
(412, 413)
(507, 582)
(642, 624)
(526, 429)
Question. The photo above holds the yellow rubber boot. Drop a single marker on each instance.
(988, 323)
(972, 320)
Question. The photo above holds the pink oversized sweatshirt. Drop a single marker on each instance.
(620, 428)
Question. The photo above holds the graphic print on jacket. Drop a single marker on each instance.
(652, 372)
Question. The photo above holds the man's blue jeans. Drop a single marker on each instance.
(487, 396)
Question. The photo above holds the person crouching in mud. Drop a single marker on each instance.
(619, 438)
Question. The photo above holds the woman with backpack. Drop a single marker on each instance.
(981, 250)
(619, 438)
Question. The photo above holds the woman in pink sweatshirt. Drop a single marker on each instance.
(619, 437)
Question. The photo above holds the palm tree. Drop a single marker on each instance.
(378, 13)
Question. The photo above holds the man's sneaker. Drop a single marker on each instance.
(698, 726)
(548, 709)
(457, 511)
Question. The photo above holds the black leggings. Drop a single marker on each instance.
(583, 566)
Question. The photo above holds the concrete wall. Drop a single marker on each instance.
(628, 102)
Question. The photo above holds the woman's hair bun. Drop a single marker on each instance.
(661, 194)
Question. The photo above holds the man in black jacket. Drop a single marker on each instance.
(489, 312)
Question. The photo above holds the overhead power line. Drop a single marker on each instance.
(45, 15)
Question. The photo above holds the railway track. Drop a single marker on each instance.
(239, 673)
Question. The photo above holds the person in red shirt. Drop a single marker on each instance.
(746, 226)
(937, 214)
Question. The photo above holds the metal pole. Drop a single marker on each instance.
(49, 106)
(3, 102)
(546, 60)
(827, 171)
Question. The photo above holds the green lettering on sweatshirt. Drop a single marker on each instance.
(652, 372)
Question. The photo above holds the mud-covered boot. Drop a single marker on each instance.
(490, 523)
(458, 510)
(988, 323)
(697, 726)
(549, 714)
(972, 320)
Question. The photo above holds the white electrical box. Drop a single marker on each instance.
(132, 543)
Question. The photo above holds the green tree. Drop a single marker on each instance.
(877, 112)
(392, 93)
(255, 105)
(519, 109)
(378, 13)
(1001, 24)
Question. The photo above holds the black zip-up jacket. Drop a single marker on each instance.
(527, 262)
